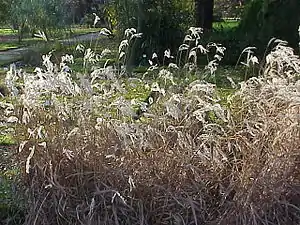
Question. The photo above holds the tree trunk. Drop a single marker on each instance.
(204, 13)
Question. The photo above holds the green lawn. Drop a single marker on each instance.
(226, 25)
(15, 44)
(7, 31)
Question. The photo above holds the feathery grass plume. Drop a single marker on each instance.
(42, 35)
(124, 48)
(96, 20)
(191, 44)
(11, 80)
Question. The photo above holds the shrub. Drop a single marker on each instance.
(163, 23)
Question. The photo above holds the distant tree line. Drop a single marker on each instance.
(28, 16)
(73, 10)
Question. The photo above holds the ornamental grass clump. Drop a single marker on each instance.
(264, 142)
(190, 159)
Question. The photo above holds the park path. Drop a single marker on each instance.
(14, 55)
